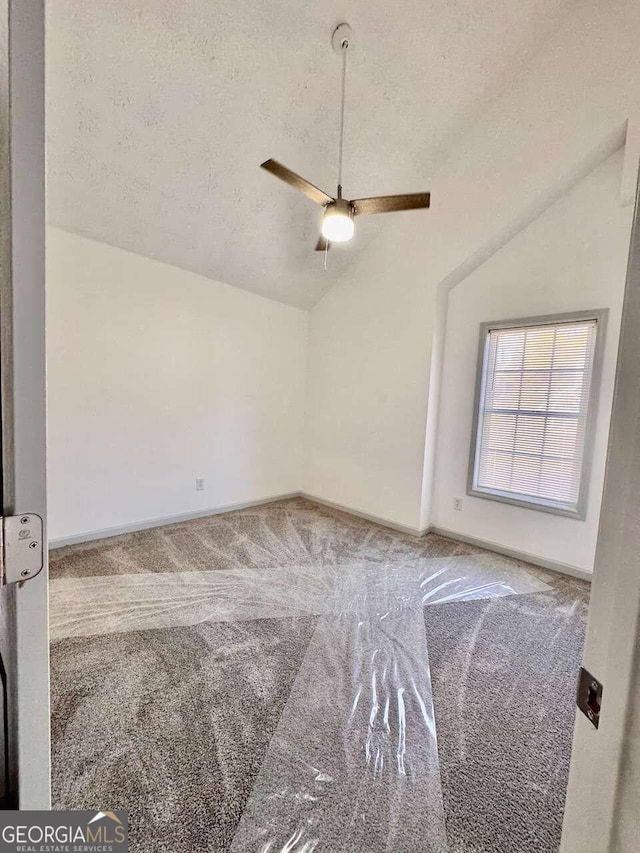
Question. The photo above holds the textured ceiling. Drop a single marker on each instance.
(160, 111)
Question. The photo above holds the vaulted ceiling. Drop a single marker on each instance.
(160, 112)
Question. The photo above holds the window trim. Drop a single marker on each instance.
(600, 316)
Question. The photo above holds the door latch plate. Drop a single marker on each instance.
(589, 696)
(22, 549)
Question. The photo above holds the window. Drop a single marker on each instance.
(535, 411)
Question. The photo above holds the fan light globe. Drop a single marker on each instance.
(337, 225)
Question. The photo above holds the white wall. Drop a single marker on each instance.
(157, 376)
(366, 402)
(573, 257)
(372, 336)
(371, 391)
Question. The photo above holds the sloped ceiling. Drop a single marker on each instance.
(160, 112)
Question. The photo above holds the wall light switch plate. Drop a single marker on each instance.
(457, 504)
(199, 484)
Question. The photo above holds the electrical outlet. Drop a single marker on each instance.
(457, 504)
(199, 484)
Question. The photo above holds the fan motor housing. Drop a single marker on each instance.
(340, 206)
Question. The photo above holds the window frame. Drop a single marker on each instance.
(600, 316)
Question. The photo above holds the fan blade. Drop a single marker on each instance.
(389, 203)
(296, 181)
(322, 244)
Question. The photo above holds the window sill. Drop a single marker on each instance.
(578, 514)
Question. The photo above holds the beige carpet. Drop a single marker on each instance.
(291, 532)
(261, 681)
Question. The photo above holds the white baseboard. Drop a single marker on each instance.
(106, 532)
(385, 522)
(496, 548)
(552, 565)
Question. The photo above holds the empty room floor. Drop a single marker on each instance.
(292, 678)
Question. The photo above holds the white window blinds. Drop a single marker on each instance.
(534, 399)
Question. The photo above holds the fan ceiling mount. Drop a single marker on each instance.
(339, 212)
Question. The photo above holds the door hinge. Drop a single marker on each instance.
(21, 548)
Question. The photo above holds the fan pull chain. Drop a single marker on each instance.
(326, 251)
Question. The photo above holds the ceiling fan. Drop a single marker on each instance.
(339, 212)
